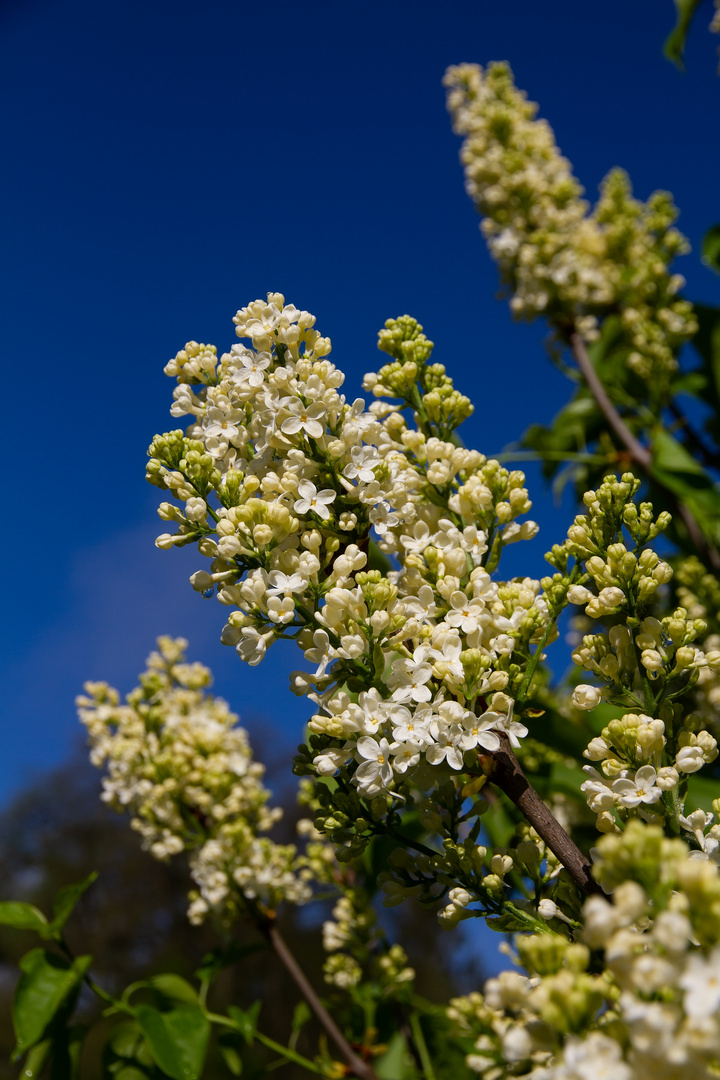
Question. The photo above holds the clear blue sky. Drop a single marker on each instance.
(165, 162)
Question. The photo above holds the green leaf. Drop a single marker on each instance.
(711, 248)
(45, 983)
(566, 780)
(229, 1046)
(301, 1014)
(377, 559)
(701, 792)
(127, 1053)
(395, 1063)
(674, 46)
(670, 456)
(66, 899)
(174, 988)
(678, 471)
(213, 962)
(23, 916)
(507, 923)
(178, 1039)
(498, 824)
(246, 1021)
(124, 1039)
(694, 383)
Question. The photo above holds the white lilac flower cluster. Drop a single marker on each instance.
(353, 937)
(559, 259)
(643, 756)
(654, 1008)
(180, 765)
(282, 481)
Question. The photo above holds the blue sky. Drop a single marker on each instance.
(166, 162)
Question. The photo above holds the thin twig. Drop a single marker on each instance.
(508, 775)
(357, 1066)
(639, 453)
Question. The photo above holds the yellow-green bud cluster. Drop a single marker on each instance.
(559, 259)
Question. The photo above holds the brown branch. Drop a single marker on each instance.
(508, 775)
(357, 1066)
(639, 453)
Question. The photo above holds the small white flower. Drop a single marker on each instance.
(281, 610)
(313, 501)
(254, 364)
(411, 727)
(701, 983)
(285, 584)
(465, 614)
(596, 1057)
(322, 652)
(474, 541)
(253, 645)
(373, 712)
(505, 722)
(476, 731)
(383, 517)
(423, 605)
(331, 759)
(689, 759)
(418, 541)
(642, 789)
(445, 747)
(597, 791)
(375, 772)
(409, 678)
(586, 697)
(364, 460)
(305, 418)
(405, 755)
